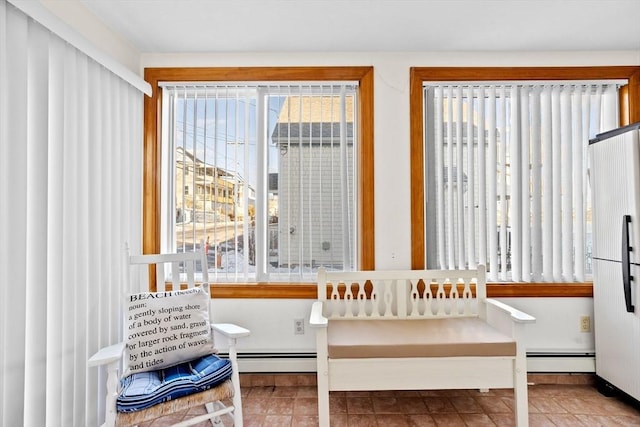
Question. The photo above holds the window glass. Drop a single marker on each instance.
(262, 175)
(506, 176)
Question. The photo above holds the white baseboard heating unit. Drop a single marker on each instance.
(561, 362)
(306, 362)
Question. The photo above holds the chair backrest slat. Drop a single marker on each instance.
(175, 269)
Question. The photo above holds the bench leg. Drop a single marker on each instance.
(322, 365)
(323, 400)
(520, 393)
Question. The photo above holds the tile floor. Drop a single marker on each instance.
(291, 401)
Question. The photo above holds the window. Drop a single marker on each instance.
(464, 212)
(270, 229)
(282, 157)
(506, 175)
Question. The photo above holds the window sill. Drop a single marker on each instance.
(290, 290)
(539, 290)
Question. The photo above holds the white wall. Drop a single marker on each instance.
(271, 321)
(557, 329)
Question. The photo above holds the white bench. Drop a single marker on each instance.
(386, 330)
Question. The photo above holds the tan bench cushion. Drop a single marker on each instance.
(416, 338)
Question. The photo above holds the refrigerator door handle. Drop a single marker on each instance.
(626, 264)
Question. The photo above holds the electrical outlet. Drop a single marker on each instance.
(585, 324)
(298, 326)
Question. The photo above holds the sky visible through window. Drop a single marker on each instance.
(223, 137)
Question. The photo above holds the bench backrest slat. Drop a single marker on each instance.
(410, 294)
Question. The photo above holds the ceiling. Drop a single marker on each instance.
(171, 26)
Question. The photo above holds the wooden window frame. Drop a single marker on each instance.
(152, 162)
(629, 113)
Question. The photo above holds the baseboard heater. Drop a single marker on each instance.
(557, 362)
(537, 362)
(276, 362)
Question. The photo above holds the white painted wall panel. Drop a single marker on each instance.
(558, 319)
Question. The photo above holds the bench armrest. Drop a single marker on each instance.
(317, 320)
(516, 315)
(230, 330)
(106, 355)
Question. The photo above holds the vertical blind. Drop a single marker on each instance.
(506, 175)
(263, 175)
(70, 159)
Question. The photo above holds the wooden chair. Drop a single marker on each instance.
(222, 399)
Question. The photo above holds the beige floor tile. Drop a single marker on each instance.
(550, 405)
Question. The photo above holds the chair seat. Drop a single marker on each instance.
(222, 392)
(145, 389)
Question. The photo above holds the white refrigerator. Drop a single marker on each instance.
(615, 184)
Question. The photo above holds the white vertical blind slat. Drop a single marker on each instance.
(15, 156)
(70, 205)
(492, 187)
(579, 206)
(536, 185)
(449, 180)
(525, 184)
(502, 185)
(55, 232)
(308, 186)
(86, 231)
(482, 180)
(98, 307)
(192, 135)
(588, 106)
(556, 166)
(81, 260)
(288, 179)
(516, 196)
(439, 169)
(36, 222)
(597, 104)
(246, 174)
(459, 178)
(566, 190)
(470, 236)
(332, 171)
(346, 250)
(4, 195)
(261, 238)
(547, 184)
(609, 114)
(299, 219)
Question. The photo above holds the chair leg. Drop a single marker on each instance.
(237, 406)
(112, 394)
(235, 378)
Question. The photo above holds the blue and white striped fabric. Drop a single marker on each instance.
(145, 389)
